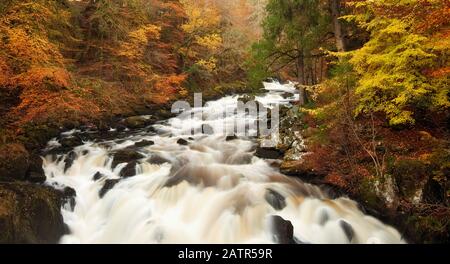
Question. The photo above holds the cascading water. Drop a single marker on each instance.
(206, 190)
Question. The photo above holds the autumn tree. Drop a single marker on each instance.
(396, 65)
(203, 32)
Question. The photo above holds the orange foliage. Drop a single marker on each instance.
(438, 73)
(50, 78)
(5, 73)
(170, 85)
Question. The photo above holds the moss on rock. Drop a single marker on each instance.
(30, 214)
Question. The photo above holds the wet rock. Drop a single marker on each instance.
(434, 192)
(157, 160)
(207, 129)
(70, 142)
(125, 156)
(240, 159)
(268, 153)
(182, 142)
(348, 230)
(299, 168)
(247, 98)
(120, 127)
(324, 217)
(14, 161)
(109, 184)
(97, 176)
(30, 214)
(410, 176)
(69, 160)
(103, 127)
(164, 114)
(36, 172)
(36, 177)
(287, 95)
(276, 200)
(231, 138)
(129, 170)
(85, 137)
(68, 195)
(144, 143)
(283, 230)
(136, 122)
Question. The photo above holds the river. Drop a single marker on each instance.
(200, 189)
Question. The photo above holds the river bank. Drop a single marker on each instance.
(22, 177)
(410, 196)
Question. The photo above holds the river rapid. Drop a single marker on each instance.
(198, 188)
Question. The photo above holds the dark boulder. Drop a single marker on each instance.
(182, 142)
(231, 138)
(68, 195)
(283, 230)
(303, 169)
(120, 128)
(69, 160)
(434, 192)
(136, 122)
(247, 98)
(109, 184)
(324, 217)
(36, 172)
(125, 156)
(240, 159)
(70, 142)
(164, 114)
(97, 176)
(14, 161)
(348, 230)
(207, 129)
(276, 200)
(144, 143)
(35, 177)
(268, 153)
(30, 214)
(158, 160)
(129, 170)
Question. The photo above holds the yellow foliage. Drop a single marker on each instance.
(201, 16)
(209, 64)
(212, 41)
(138, 40)
(28, 49)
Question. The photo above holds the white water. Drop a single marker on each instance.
(219, 198)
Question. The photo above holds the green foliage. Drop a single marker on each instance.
(294, 33)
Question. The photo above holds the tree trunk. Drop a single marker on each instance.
(301, 79)
(338, 32)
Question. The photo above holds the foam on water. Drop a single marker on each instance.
(210, 191)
